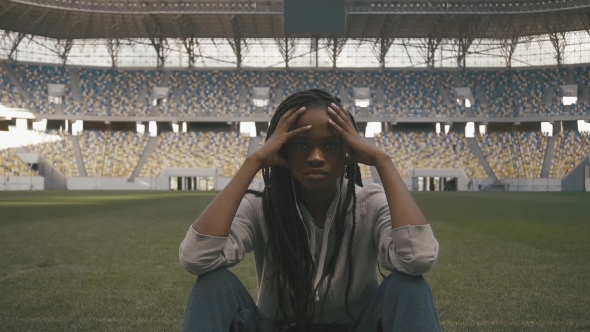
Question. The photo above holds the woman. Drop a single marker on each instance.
(316, 233)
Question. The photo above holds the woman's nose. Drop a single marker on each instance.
(316, 156)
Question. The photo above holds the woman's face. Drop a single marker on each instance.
(316, 157)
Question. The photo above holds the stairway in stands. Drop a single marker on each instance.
(147, 151)
(78, 155)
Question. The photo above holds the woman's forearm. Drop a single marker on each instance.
(217, 218)
(404, 210)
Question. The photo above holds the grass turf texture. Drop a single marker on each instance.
(108, 261)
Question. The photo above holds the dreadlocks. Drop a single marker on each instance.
(288, 248)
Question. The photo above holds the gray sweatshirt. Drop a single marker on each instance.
(410, 249)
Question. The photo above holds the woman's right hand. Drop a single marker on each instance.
(268, 154)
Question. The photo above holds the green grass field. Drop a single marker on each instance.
(108, 261)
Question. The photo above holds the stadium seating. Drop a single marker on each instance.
(411, 150)
(411, 93)
(570, 148)
(58, 152)
(209, 93)
(110, 92)
(514, 154)
(111, 154)
(11, 165)
(195, 150)
(9, 94)
(36, 79)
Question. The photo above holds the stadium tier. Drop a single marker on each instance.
(11, 165)
(409, 93)
(57, 149)
(514, 154)
(36, 80)
(9, 94)
(116, 154)
(570, 148)
(115, 92)
(411, 150)
(111, 154)
(222, 150)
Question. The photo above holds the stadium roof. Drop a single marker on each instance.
(86, 19)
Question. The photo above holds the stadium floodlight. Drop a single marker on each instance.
(362, 96)
(260, 96)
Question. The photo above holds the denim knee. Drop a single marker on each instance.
(218, 279)
(405, 282)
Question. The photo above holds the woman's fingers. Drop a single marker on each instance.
(342, 118)
(288, 119)
(339, 121)
(339, 130)
(297, 132)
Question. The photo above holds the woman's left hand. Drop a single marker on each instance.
(361, 151)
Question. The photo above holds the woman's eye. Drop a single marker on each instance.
(330, 146)
(300, 146)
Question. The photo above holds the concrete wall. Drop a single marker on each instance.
(29, 158)
(536, 184)
(576, 179)
(462, 179)
(88, 183)
(8, 183)
(258, 183)
(54, 179)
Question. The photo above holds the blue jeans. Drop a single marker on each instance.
(219, 302)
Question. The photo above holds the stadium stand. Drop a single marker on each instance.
(9, 94)
(11, 165)
(411, 93)
(195, 150)
(36, 79)
(514, 154)
(570, 148)
(58, 151)
(111, 154)
(210, 93)
(427, 150)
(111, 92)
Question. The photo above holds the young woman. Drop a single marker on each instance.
(317, 235)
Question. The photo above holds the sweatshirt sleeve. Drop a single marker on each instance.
(411, 249)
(200, 253)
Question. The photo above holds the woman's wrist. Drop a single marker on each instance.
(253, 161)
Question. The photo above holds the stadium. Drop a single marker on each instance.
(120, 121)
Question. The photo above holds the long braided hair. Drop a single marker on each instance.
(288, 247)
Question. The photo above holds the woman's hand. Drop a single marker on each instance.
(361, 151)
(268, 154)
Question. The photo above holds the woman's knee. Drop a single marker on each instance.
(220, 279)
(405, 282)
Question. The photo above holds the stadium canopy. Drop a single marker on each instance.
(88, 19)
